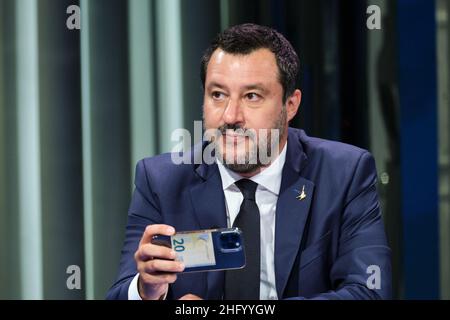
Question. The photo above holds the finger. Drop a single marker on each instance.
(154, 229)
(149, 251)
(190, 296)
(158, 278)
(157, 265)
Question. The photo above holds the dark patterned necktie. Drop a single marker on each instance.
(243, 284)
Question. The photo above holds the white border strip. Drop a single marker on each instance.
(30, 215)
(170, 71)
(142, 68)
(87, 151)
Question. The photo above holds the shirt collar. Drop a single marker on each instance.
(269, 178)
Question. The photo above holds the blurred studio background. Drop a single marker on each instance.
(79, 108)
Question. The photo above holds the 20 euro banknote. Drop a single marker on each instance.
(194, 249)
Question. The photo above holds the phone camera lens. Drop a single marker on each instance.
(230, 241)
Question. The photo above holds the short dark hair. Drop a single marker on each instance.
(245, 38)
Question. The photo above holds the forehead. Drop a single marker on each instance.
(259, 65)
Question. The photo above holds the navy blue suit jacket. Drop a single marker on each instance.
(324, 244)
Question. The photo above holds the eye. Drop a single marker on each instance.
(217, 95)
(253, 96)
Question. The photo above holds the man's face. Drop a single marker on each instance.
(243, 92)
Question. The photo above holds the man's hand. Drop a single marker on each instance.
(190, 296)
(155, 263)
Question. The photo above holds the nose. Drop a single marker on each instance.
(233, 112)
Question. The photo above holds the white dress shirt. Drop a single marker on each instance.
(269, 182)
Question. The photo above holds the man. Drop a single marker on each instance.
(313, 206)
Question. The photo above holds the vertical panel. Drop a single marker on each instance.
(418, 106)
(61, 154)
(331, 73)
(443, 54)
(4, 283)
(352, 85)
(193, 47)
(87, 149)
(142, 87)
(10, 280)
(3, 216)
(383, 114)
(170, 72)
(306, 37)
(224, 14)
(29, 149)
(106, 136)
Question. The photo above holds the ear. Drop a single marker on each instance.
(293, 103)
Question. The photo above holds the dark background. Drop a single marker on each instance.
(112, 92)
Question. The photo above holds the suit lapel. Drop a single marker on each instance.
(292, 211)
(208, 201)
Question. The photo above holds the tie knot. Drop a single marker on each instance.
(248, 188)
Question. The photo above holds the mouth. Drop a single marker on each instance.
(234, 138)
(235, 134)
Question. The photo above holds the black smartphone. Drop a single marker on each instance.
(207, 250)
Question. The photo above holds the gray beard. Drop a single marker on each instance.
(252, 159)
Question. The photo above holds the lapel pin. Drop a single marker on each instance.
(302, 195)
